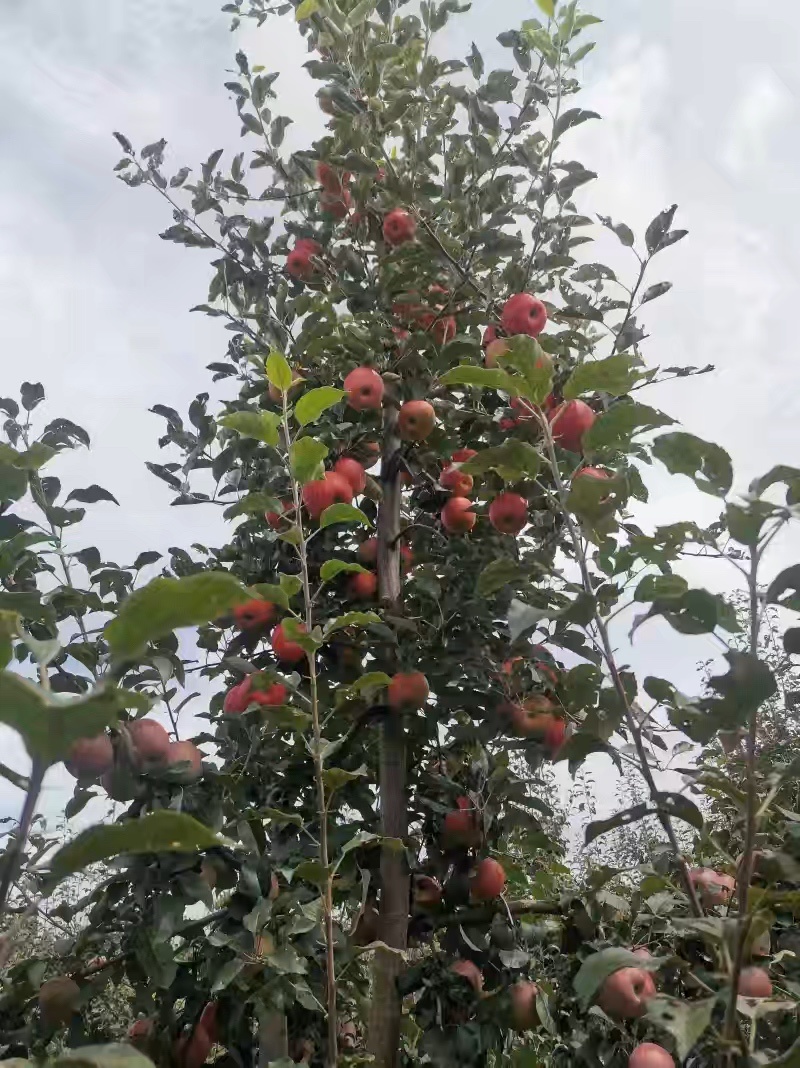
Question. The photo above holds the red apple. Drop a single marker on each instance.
(493, 350)
(457, 516)
(715, 888)
(362, 586)
(277, 519)
(490, 334)
(320, 494)
(398, 227)
(90, 757)
(442, 327)
(416, 420)
(408, 691)
(140, 1033)
(58, 1000)
(364, 387)
(596, 473)
(336, 204)
(569, 422)
(287, 651)
(458, 482)
(488, 880)
(507, 424)
(368, 551)
(239, 698)
(300, 261)
(461, 826)
(192, 1051)
(406, 559)
(625, 993)
(187, 754)
(353, 471)
(523, 314)
(754, 983)
(331, 179)
(463, 456)
(469, 971)
(149, 740)
(254, 615)
(508, 513)
(650, 1055)
(523, 1005)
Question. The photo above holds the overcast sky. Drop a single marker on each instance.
(700, 107)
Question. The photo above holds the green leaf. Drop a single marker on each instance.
(336, 778)
(343, 513)
(744, 524)
(789, 476)
(49, 725)
(224, 975)
(306, 9)
(512, 460)
(268, 592)
(526, 355)
(263, 426)
(277, 816)
(351, 619)
(360, 13)
(708, 465)
(312, 871)
(9, 623)
(596, 969)
(686, 1021)
(787, 581)
(572, 117)
(660, 587)
(91, 495)
(484, 377)
(619, 819)
(290, 584)
(306, 641)
(678, 806)
(120, 1055)
(36, 457)
(331, 568)
(305, 458)
(158, 832)
(279, 372)
(615, 427)
(254, 504)
(615, 375)
(499, 573)
(312, 404)
(524, 617)
(548, 6)
(165, 604)
(13, 482)
(373, 680)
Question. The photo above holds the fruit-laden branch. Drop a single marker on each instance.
(317, 747)
(385, 1012)
(611, 664)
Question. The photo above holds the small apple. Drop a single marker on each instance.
(523, 314)
(490, 334)
(625, 993)
(488, 880)
(415, 420)
(191, 1051)
(368, 551)
(188, 755)
(406, 559)
(469, 971)
(399, 227)
(353, 471)
(569, 422)
(140, 1033)
(463, 456)
(362, 586)
(461, 826)
(90, 757)
(596, 473)
(650, 1055)
(408, 691)
(754, 983)
(364, 388)
(348, 1035)
(287, 651)
(58, 1000)
(457, 516)
(254, 615)
(149, 740)
(508, 513)
(331, 179)
(427, 892)
(300, 261)
(523, 1005)
(458, 482)
(493, 350)
(321, 493)
(507, 424)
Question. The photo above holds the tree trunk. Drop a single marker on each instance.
(385, 1011)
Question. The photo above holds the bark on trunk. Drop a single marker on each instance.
(385, 1010)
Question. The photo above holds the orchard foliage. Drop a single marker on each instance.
(434, 461)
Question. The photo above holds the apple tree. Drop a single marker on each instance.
(434, 461)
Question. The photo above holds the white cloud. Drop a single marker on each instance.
(764, 106)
